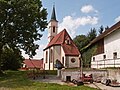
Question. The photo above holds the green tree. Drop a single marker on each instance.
(91, 34)
(20, 24)
(80, 41)
(10, 59)
(101, 30)
(87, 54)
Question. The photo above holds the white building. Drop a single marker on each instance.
(60, 47)
(108, 48)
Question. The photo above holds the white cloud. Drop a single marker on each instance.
(88, 9)
(72, 24)
(117, 19)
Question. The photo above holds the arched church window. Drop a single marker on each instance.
(63, 60)
(51, 59)
(46, 56)
(53, 29)
(73, 60)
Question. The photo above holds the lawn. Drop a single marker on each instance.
(17, 80)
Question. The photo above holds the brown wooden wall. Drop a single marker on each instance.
(100, 46)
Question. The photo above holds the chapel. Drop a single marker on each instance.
(60, 47)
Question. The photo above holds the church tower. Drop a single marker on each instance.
(52, 26)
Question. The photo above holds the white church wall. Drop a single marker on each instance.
(57, 53)
(76, 63)
(50, 27)
(46, 65)
(51, 66)
(63, 55)
(51, 55)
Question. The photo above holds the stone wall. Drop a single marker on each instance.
(73, 74)
(114, 74)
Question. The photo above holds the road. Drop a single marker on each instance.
(102, 87)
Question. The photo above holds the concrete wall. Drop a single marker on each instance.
(73, 75)
(111, 45)
(76, 74)
(114, 74)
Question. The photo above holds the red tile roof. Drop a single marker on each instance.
(33, 63)
(107, 32)
(59, 39)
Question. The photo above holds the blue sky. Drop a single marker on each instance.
(79, 16)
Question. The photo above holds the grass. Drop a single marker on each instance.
(48, 72)
(17, 80)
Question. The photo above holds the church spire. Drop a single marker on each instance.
(52, 26)
(53, 16)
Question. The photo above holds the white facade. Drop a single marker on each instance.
(58, 54)
(70, 63)
(54, 51)
(52, 29)
(111, 55)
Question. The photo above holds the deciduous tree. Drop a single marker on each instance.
(11, 59)
(20, 24)
(101, 30)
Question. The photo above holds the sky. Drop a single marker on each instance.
(78, 17)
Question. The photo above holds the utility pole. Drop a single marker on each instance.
(81, 67)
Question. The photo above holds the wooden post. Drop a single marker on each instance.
(81, 68)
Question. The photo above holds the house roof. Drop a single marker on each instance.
(107, 32)
(59, 39)
(33, 63)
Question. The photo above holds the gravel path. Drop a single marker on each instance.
(102, 87)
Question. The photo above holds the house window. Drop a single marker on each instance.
(93, 58)
(51, 59)
(115, 55)
(63, 60)
(54, 29)
(46, 56)
(73, 60)
(104, 56)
